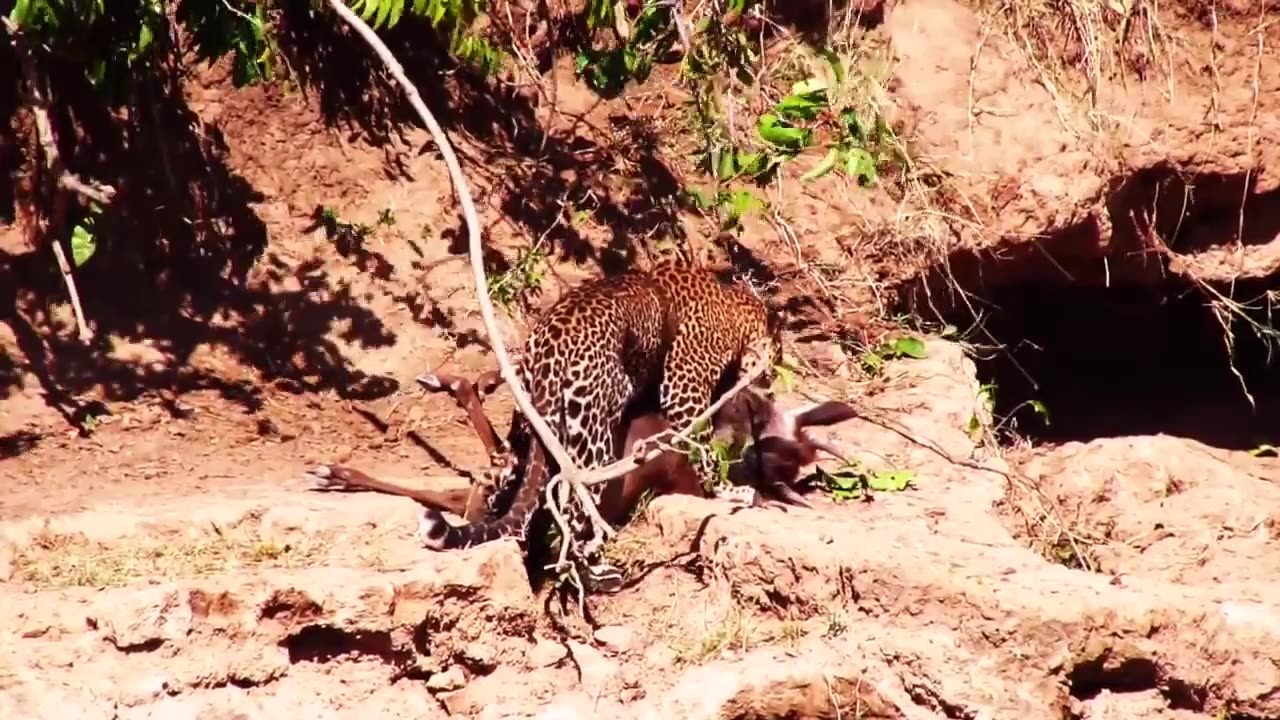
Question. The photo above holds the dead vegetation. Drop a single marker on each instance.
(53, 561)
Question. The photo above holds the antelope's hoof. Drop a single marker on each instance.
(323, 477)
(737, 495)
(603, 578)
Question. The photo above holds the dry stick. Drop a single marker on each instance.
(463, 194)
(64, 180)
(577, 478)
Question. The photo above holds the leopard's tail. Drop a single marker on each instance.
(437, 534)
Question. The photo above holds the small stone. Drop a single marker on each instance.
(450, 679)
(629, 676)
(546, 653)
(615, 638)
(660, 656)
(479, 656)
(7, 557)
(630, 695)
(595, 671)
(145, 689)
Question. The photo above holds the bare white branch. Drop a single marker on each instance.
(577, 478)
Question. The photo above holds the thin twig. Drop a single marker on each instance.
(63, 179)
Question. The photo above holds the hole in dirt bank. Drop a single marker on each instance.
(1131, 675)
(324, 643)
(1193, 212)
(1090, 322)
(1122, 361)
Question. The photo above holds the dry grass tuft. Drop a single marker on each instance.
(60, 561)
(1080, 44)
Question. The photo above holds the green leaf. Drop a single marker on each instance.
(833, 60)
(812, 86)
(851, 481)
(804, 107)
(909, 346)
(786, 378)
(825, 166)
(776, 132)
(751, 163)
(97, 71)
(743, 201)
(852, 125)
(974, 425)
(20, 12)
(859, 164)
(82, 245)
(700, 199)
(872, 363)
(144, 39)
(384, 11)
(891, 480)
(725, 167)
(1040, 410)
(437, 11)
(397, 10)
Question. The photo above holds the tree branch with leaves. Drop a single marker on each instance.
(58, 178)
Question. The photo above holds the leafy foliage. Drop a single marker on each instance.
(715, 459)
(872, 360)
(855, 482)
(122, 38)
(84, 241)
(219, 28)
(722, 51)
(454, 16)
(524, 277)
(606, 71)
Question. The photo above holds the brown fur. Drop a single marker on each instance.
(460, 502)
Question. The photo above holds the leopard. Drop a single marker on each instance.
(674, 336)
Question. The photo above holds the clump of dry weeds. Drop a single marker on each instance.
(61, 561)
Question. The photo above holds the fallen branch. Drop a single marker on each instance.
(578, 479)
(63, 179)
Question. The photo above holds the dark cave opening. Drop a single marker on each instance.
(1125, 360)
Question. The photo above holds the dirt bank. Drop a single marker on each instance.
(1092, 216)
